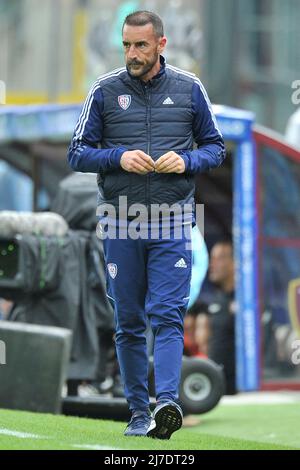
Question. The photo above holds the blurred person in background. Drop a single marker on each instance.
(215, 313)
(146, 118)
(202, 335)
(5, 308)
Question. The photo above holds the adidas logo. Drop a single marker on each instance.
(180, 264)
(168, 101)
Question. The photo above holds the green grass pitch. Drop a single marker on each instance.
(228, 427)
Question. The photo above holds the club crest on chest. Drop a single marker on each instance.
(124, 101)
(112, 270)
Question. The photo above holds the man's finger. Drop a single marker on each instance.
(171, 168)
(145, 158)
(142, 164)
(138, 168)
(163, 158)
(145, 165)
(162, 166)
(168, 164)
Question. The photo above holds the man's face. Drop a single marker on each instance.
(221, 265)
(142, 49)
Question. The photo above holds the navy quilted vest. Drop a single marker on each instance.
(158, 118)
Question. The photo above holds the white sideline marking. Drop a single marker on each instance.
(21, 435)
(27, 435)
(262, 398)
(94, 447)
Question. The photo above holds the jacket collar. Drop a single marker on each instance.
(162, 69)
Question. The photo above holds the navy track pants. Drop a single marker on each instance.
(149, 278)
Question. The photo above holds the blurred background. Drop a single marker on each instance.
(246, 52)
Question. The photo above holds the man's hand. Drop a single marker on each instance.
(136, 161)
(170, 162)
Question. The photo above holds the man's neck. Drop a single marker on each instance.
(152, 73)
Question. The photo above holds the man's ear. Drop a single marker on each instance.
(162, 44)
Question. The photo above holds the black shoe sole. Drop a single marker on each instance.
(168, 420)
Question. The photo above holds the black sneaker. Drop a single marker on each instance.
(139, 424)
(167, 418)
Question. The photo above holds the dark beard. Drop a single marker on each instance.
(144, 70)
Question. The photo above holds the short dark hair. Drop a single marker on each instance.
(143, 17)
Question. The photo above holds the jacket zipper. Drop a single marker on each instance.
(147, 95)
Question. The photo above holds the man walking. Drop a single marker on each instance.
(146, 117)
